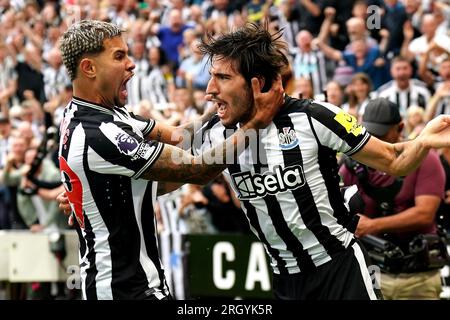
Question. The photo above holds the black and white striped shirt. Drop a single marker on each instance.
(443, 106)
(417, 94)
(311, 65)
(55, 81)
(102, 155)
(155, 87)
(136, 85)
(288, 182)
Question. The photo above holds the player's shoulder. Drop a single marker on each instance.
(293, 105)
(316, 109)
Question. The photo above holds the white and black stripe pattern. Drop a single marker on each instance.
(417, 94)
(55, 80)
(155, 87)
(102, 153)
(136, 85)
(443, 106)
(301, 222)
(311, 65)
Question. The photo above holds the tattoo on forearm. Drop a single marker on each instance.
(188, 171)
(158, 135)
(190, 127)
(398, 149)
(198, 170)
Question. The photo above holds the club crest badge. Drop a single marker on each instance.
(288, 139)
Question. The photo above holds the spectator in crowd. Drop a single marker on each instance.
(304, 88)
(29, 75)
(414, 11)
(308, 62)
(184, 51)
(5, 137)
(193, 72)
(415, 122)
(218, 8)
(37, 213)
(440, 101)
(286, 16)
(55, 75)
(12, 173)
(8, 79)
(358, 92)
(422, 44)
(403, 90)
(393, 20)
(5, 198)
(334, 93)
(159, 84)
(356, 29)
(171, 37)
(311, 16)
(136, 86)
(363, 59)
(431, 60)
(221, 202)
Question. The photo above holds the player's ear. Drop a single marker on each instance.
(87, 67)
(262, 82)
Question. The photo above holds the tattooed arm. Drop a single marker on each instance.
(176, 135)
(404, 157)
(176, 165)
(166, 187)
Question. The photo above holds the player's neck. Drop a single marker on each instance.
(82, 91)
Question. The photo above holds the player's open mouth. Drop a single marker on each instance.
(123, 90)
(221, 109)
(123, 87)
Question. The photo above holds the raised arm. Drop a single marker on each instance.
(328, 51)
(399, 159)
(312, 7)
(176, 165)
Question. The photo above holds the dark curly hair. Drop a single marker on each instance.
(252, 49)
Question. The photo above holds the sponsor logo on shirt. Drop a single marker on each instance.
(349, 122)
(252, 186)
(288, 139)
(144, 152)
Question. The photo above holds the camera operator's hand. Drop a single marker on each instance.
(365, 226)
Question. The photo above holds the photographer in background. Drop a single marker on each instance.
(398, 209)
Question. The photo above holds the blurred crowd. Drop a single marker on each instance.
(345, 52)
